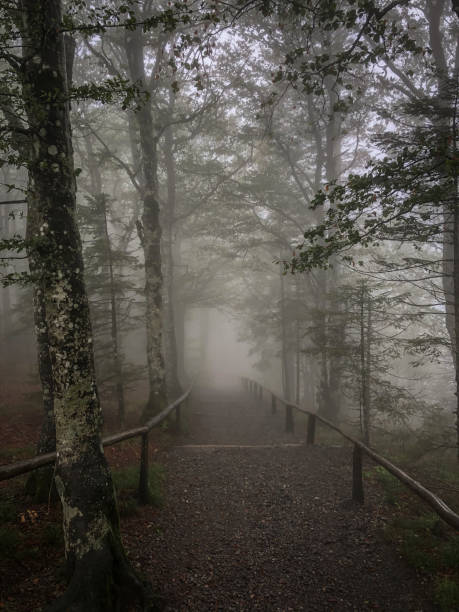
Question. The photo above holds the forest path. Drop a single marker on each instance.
(266, 526)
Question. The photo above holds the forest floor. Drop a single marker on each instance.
(251, 519)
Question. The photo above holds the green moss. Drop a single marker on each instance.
(126, 481)
(429, 546)
(390, 484)
(451, 552)
(418, 552)
(426, 522)
(446, 594)
(17, 452)
(127, 506)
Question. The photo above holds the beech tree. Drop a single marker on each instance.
(266, 209)
(410, 192)
(100, 577)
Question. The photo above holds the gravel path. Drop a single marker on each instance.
(266, 528)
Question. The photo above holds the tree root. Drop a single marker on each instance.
(41, 487)
(104, 581)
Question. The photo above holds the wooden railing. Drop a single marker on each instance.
(28, 465)
(359, 448)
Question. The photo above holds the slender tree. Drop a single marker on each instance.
(150, 228)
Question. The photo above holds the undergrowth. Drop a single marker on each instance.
(126, 481)
(26, 532)
(16, 453)
(391, 485)
(423, 539)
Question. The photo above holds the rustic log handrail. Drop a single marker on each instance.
(28, 465)
(435, 502)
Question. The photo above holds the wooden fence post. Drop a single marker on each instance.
(311, 432)
(178, 418)
(357, 479)
(289, 424)
(273, 403)
(144, 491)
(260, 393)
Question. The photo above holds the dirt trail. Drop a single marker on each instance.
(267, 528)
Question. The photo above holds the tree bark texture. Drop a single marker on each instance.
(447, 129)
(365, 357)
(5, 312)
(114, 331)
(171, 341)
(285, 353)
(456, 317)
(434, 14)
(150, 230)
(99, 574)
(335, 329)
(101, 202)
(40, 484)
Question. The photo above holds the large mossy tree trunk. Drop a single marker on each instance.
(150, 230)
(100, 577)
(39, 484)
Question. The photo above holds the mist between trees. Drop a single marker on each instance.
(243, 188)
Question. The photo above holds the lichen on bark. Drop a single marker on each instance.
(100, 577)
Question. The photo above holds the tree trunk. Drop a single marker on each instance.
(101, 202)
(100, 576)
(335, 330)
(40, 483)
(366, 391)
(434, 12)
(365, 319)
(285, 353)
(5, 313)
(114, 333)
(322, 303)
(5, 319)
(150, 231)
(180, 314)
(297, 362)
(456, 290)
(171, 342)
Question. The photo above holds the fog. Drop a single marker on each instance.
(229, 283)
(245, 213)
(225, 358)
